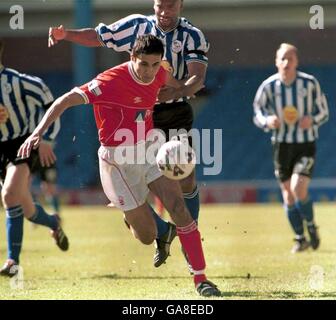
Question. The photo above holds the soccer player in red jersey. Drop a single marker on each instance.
(123, 99)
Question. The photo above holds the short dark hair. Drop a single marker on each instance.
(2, 45)
(148, 44)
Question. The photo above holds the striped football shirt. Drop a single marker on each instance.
(183, 44)
(290, 103)
(25, 99)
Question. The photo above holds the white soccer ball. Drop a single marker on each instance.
(176, 160)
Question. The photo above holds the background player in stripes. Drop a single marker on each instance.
(292, 105)
(185, 52)
(118, 96)
(22, 99)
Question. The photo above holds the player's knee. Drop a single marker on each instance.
(300, 193)
(9, 196)
(147, 238)
(288, 197)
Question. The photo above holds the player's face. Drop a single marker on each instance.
(167, 12)
(146, 66)
(287, 62)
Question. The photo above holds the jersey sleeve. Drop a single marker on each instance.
(197, 47)
(35, 88)
(121, 35)
(39, 97)
(92, 91)
(321, 110)
(260, 108)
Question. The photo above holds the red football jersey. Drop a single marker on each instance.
(123, 105)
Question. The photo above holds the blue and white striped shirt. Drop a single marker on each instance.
(183, 44)
(25, 99)
(290, 103)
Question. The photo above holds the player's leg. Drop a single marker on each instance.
(283, 155)
(14, 221)
(294, 217)
(303, 171)
(176, 119)
(170, 193)
(126, 188)
(304, 205)
(191, 195)
(18, 184)
(49, 187)
(142, 223)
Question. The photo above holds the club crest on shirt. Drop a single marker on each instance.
(94, 88)
(302, 92)
(7, 88)
(290, 114)
(177, 46)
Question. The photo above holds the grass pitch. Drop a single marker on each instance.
(247, 248)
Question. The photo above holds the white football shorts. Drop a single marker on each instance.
(126, 184)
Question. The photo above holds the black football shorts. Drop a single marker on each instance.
(290, 158)
(174, 118)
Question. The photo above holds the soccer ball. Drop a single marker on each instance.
(176, 160)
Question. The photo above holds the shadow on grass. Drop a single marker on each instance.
(114, 276)
(278, 295)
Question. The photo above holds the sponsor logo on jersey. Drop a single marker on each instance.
(290, 115)
(137, 100)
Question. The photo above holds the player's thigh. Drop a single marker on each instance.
(305, 159)
(287, 195)
(16, 183)
(299, 186)
(170, 193)
(124, 185)
(283, 161)
(142, 222)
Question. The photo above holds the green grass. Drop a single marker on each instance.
(247, 248)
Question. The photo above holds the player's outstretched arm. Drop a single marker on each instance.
(86, 37)
(187, 87)
(68, 100)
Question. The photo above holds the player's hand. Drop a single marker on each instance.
(32, 142)
(191, 87)
(273, 122)
(167, 93)
(56, 34)
(3, 114)
(46, 154)
(305, 122)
